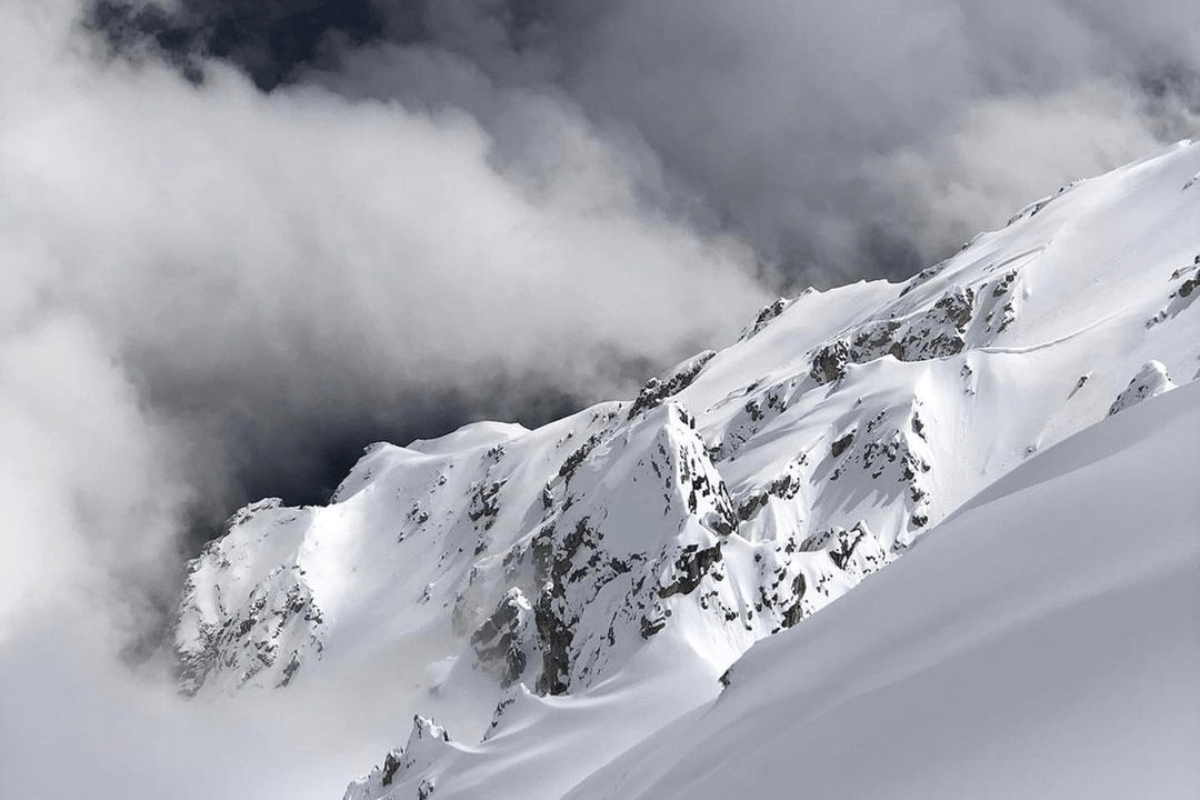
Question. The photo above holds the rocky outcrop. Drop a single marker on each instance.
(765, 316)
(502, 643)
(408, 765)
(936, 332)
(265, 637)
(605, 572)
(1152, 380)
(1185, 288)
(657, 390)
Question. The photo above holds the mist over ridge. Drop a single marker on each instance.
(269, 233)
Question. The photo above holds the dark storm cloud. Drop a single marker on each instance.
(841, 140)
(265, 39)
(788, 119)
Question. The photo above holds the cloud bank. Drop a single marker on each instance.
(798, 126)
(212, 279)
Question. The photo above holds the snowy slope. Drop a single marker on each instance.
(527, 588)
(1071, 674)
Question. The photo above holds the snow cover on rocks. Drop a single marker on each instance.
(1152, 380)
(1072, 674)
(554, 595)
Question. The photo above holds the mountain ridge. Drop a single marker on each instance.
(736, 496)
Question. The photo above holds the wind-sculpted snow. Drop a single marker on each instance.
(515, 577)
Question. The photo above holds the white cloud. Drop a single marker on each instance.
(235, 264)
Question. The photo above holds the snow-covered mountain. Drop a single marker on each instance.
(555, 596)
(1065, 667)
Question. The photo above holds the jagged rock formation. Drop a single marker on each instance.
(426, 743)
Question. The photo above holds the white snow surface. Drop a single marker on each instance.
(1071, 674)
(553, 597)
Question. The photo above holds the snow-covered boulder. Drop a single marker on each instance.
(1151, 380)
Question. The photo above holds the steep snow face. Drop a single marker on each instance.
(502, 578)
(1068, 674)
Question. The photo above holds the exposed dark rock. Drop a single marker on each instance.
(498, 641)
(918, 425)
(829, 363)
(573, 462)
(765, 316)
(555, 625)
(485, 504)
(750, 506)
(498, 715)
(657, 390)
(690, 567)
(652, 626)
(289, 670)
(846, 542)
(795, 612)
(1152, 379)
(936, 333)
(391, 765)
(249, 640)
